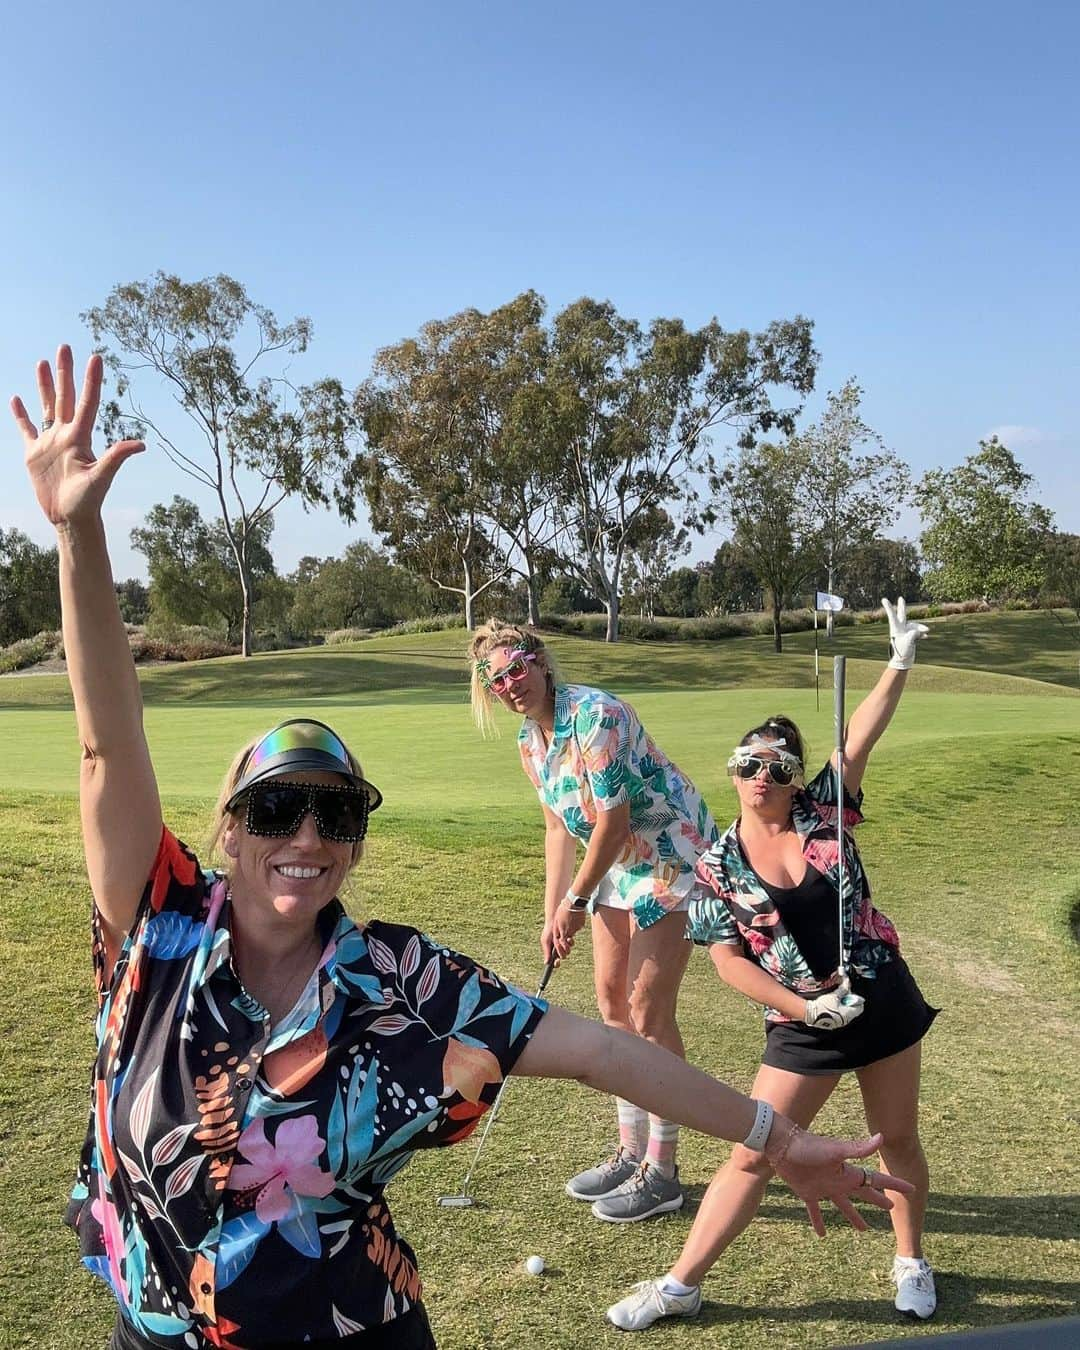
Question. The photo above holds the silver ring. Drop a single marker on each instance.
(865, 1177)
(46, 423)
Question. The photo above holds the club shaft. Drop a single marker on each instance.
(839, 682)
(549, 970)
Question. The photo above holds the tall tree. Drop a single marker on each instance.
(635, 410)
(29, 587)
(763, 495)
(193, 573)
(257, 438)
(728, 584)
(652, 546)
(854, 485)
(1061, 586)
(983, 537)
(362, 588)
(455, 479)
(882, 567)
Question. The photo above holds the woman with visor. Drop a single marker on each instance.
(264, 1065)
(773, 923)
(604, 783)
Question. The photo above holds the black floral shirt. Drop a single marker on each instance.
(230, 1189)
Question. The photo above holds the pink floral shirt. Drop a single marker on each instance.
(740, 911)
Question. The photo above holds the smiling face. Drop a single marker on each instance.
(287, 878)
(520, 684)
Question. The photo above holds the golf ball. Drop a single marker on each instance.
(535, 1265)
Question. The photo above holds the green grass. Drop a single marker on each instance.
(971, 844)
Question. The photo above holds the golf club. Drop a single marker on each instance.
(839, 674)
(464, 1200)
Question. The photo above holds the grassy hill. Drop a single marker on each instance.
(971, 843)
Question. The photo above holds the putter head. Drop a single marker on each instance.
(456, 1201)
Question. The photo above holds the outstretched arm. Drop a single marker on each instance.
(875, 712)
(121, 812)
(614, 1061)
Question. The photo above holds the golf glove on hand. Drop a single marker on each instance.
(835, 1009)
(903, 635)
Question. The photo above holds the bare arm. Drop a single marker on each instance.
(121, 811)
(748, 978)
(867, 724)
(606, 843)
(560, 854)
(616, 1062)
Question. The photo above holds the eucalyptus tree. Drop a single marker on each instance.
(458, 476)
(635, 411)
(252, 438)
(854, 485)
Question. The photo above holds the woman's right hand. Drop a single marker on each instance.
(69, 483)
(547, 941)
(818, 1169)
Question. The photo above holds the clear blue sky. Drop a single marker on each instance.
(906, 174)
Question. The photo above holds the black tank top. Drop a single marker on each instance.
(810, 914)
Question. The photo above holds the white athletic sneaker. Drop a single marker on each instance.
(915, 1292)
(648, 1303)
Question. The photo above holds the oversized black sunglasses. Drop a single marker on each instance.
(276, 810)
(783, 775)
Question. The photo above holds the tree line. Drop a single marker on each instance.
(536, 462)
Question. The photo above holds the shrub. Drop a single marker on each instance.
(431, 623)
(342, 635)
(29, 651)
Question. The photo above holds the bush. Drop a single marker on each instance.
(145, 648)
(29, 651)
(432, 623)
(342, 635)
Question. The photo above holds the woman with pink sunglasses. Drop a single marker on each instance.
(603, 783)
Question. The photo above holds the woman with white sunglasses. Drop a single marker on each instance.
(838, 995)
(604, 784)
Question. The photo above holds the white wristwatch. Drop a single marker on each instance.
(576, 903)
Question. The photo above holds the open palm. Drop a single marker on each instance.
(69, 483)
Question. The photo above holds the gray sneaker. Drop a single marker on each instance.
(645, 1194)
(604, 1178)
(648, 1303)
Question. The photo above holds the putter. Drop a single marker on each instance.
(464, 1200)
(839, 664)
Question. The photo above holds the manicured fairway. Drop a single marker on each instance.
(971, 844)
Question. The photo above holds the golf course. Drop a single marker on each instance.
(972, 846)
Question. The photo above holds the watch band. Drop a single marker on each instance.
(575, 902)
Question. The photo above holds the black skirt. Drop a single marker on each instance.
(895, 1017)
(410, 1331)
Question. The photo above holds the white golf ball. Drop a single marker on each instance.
(535, 1265)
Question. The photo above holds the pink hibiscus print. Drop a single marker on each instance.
(282, 1169)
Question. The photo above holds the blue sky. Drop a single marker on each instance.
(904, 174)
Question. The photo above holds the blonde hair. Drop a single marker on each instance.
(499, 633)
(224, 818)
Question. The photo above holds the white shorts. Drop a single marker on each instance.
(607, 893)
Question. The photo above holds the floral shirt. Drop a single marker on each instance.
(601, 756)
(740, 911)
(230, 1189)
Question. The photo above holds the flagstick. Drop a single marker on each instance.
(817, 667)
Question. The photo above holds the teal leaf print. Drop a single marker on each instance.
(236, 1246)
(648, 911)
(302, 1232)
(789, 961)
(607, 781)
(575, 822)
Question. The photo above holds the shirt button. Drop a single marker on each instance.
(205, 1287)
(243, 1084)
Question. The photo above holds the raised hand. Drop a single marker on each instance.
(817, 1169)
(903, 635)
(69, 483)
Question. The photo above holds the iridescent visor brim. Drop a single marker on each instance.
(301, 747)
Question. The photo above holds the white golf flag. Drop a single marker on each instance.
(829, 602)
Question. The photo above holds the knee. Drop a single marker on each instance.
(901, 1143)
(611, 1004)
(749, 1163)
(651, 1016)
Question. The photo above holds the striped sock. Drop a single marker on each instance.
(633, 1128)
(663, 1140)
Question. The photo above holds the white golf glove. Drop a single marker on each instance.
(835, 1009)
(903, 635)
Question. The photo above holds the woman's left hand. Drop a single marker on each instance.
(566, 923)
(817, 1169)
